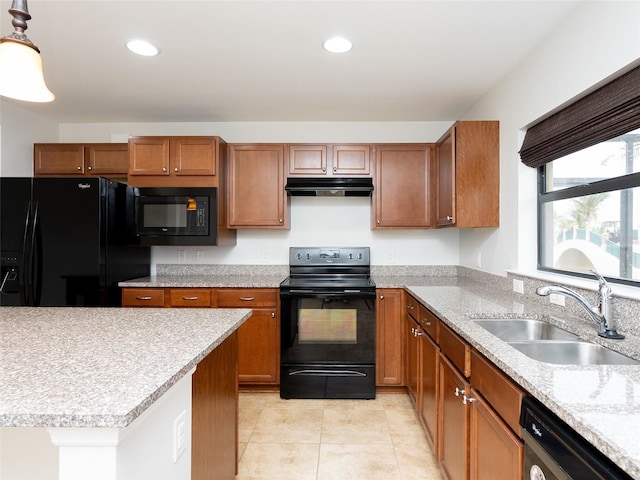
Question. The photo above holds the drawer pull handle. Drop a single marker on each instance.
(247, 299)
(428, 324)
(458, 392)
(143, 298)
(190, 298)
(466, 399)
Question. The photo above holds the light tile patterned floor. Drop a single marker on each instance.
(332, 439)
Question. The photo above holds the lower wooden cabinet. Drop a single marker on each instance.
(453, 425)
(428, 384)
(390, 337)
(414, 359)
(258, 337)
(496, 452)
(469, 408)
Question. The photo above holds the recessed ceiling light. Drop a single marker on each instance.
(142, 47)
(337, 45)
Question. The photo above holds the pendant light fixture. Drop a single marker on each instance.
(20, 64)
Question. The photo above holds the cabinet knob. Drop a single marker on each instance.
(427, 324)
(79, 168)
(457, 392)
(324, 169)
(273, 314)
(449, 217)
(381, 297)
(175, 169)
(335, 169)
(88, 168)
(280, 220)
(164, 169)
(378, 222)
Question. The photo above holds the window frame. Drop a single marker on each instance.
(631, 180)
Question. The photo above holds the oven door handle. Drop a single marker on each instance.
(318, 372)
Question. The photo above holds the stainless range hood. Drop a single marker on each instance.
(329, 186)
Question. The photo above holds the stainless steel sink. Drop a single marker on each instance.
(572, 353)
(524, 329)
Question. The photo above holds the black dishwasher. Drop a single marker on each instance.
(554, 451)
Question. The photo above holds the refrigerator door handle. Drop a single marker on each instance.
(24, 280)
(34, 256)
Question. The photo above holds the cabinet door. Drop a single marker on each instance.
(351, 160)
(453, 426)
(401, 195)
(389, 337)
(496, 452)
(256, 187)
(413, 359)
(107, 159)
(149, 156)
(58, 159)
(446, 189)
(259, 340)
(193, 155)
(428, 384)
(307, 160)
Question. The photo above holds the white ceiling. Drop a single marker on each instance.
(236, 60)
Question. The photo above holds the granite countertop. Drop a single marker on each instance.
(205, 281)
(99, 367)
(601, 403)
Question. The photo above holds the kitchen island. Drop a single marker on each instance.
(114, 390)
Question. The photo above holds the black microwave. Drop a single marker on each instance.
(174, 216)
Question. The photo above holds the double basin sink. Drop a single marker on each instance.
(544, 342)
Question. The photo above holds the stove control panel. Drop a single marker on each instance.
(357, 256)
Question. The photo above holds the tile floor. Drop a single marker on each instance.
(332, 439)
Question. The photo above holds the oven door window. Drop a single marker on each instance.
(327, 325)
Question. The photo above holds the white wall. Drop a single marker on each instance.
(20, 130)
(596, 41)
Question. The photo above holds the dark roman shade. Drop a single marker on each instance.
(610, 111)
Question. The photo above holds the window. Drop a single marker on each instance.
(589, 210)
(588, 159)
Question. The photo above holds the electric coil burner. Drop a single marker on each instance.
(328, 324)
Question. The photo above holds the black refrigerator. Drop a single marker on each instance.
(63, 242)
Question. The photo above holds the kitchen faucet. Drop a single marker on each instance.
(600, 314)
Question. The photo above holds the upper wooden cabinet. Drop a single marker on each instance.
(402, 186)
(256, 187)
(80, 159)
(175, 161)
(348, 160)
(468, 175)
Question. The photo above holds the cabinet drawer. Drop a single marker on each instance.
(247, 298)
(143, 297)
(412, 306)
(429, 323)
(502, 394)
(190, 297)
(455, 349)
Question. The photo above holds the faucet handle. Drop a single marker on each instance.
(603, 286)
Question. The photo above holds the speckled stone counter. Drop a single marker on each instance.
(205, 281)
(602, 403)
(99, 367)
